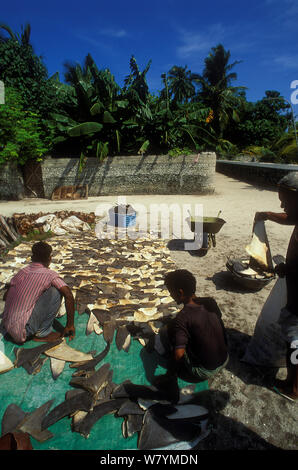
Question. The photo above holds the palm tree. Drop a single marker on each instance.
(180, 84)
(216, 91)
(136, 80)
(24, 39)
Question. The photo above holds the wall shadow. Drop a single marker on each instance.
(179, 245)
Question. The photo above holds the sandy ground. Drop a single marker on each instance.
(249, 415)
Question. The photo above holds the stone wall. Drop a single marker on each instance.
(133, 174)
(260, 174)
(11, 182)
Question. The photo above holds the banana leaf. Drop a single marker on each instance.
(59, 139)
(118, 140)
(86, 128)
(82, 162)
(235, 116)
(96, 108)
(62, 118)
(102, 150)
(144, 147)
(122, 103)
(108, 118)
(130, 124)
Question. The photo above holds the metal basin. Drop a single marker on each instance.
(248, 282)
(210, 224)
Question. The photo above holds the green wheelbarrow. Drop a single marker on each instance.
(210, 226)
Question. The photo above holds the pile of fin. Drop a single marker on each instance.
(116, 282)
(259, 267)
(119, 284)
(8, 232)
(26, 223)
(145, 410)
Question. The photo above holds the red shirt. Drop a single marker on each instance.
(25, 289)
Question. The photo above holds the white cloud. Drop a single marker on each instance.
(95, 40)
(195, 42)
(285, 12)
(287, 61)
(89, 39)
(114, 33)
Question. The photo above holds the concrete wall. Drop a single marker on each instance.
(261, 174)
(11, 182)
(133, 174)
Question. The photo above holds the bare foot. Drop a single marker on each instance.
(285, 392)
(50, 338)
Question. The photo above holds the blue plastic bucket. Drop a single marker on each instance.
(122, 220)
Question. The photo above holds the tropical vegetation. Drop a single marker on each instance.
(89, 114)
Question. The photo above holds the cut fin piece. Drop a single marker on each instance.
(57, 367)
(68, 354)
(5, 363)
(259, 246)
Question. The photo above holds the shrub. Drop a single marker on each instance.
(21, 137)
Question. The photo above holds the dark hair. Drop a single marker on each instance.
(181, 279)
(41, 252)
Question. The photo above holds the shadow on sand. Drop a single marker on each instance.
(179, 245)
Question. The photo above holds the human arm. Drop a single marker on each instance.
(69, 329)
(7, 286)
(179, 337)
(174, 362)
(280, 218)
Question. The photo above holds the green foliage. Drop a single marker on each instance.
(23, 70)
(180, 86)
(261, 154)
(91, 115)
(225, 147)
(216, 91)
(176, 151)
(21, 136)
(286, 147)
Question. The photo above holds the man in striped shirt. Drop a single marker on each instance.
(33, 298)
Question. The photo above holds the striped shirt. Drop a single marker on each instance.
(25, 289)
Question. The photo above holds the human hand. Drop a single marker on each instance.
(261, 216)
(69, 331)
(280, 270)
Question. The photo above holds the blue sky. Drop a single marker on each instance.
(262, 34)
